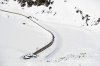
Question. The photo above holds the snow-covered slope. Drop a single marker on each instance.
(74, 45)
(61, 12)
(19, 36)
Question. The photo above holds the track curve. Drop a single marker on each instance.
(34, 54)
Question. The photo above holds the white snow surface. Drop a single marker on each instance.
(74, 45)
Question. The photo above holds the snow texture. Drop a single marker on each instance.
(75, 24)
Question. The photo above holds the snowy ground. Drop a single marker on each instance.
(74, 45)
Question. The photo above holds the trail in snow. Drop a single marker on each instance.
(74, 40)
(43, 48)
